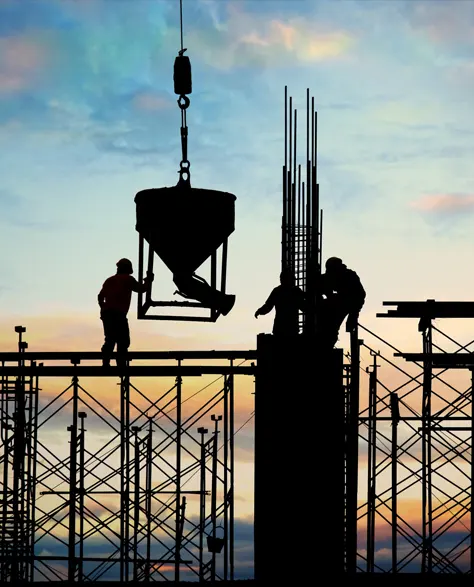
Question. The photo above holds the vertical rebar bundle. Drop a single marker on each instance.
(301, 217)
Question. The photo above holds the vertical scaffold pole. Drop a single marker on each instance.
(82, 493)
(148, 500)
(178, 477)
(372, 466)
(472, 471)
(136, 499)
(215, 419)
(427, 514)
(352, 456)
(395, 409)
(202, 502)
(125, 478)
(232, 463)
(73, 481)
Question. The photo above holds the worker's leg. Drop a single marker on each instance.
(123, 341)
(331, 316)
(336, 319)
(108, 323)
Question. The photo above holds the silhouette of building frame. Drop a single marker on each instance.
(392, 440)
(133, 492)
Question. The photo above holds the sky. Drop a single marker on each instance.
(88, 118)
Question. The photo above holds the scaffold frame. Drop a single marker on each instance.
(134, 491)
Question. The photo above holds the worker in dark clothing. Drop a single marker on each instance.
(114, 301)
(344, 296)
(287, 299)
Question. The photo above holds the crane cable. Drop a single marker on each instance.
(181, 23)
(183, 86)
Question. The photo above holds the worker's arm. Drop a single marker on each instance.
(267, 306)
(143, 287)
(101, 298)
(325, 288)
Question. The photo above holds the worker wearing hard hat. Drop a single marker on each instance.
(344, 296)
(114, 301)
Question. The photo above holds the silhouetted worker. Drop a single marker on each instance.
(287, 299)
(114, 301)
(345, 296)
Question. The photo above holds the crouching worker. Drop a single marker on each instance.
(344, 296)
(114, 301)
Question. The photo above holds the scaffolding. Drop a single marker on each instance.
(415, 431)
(140, 488)
(18, 432)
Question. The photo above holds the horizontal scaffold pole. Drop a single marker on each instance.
(135, 371)
(139, 355)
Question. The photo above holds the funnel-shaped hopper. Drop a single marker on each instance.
(185, 225)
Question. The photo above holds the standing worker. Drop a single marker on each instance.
(114, 301)
(344, 296)
(287, 299)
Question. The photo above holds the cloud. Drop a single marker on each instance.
(298, 39)
(21, 59)
(407, 113)
(148, 101)
(101, 88)
(98, 546)
(16, 211)
(444, 21)
(445, 203)
(250, 39)
(462, 73)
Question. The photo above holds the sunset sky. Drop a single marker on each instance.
(88, 117)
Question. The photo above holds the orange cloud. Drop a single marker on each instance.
(300, 40)
(410, 510)
(445, 203)
(250, 39)
(20, 60)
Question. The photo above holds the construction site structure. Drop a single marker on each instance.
(371, 447)
(289, 456)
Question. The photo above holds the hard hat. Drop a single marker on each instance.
(334, 263)
(287, 272)
(124, 263)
